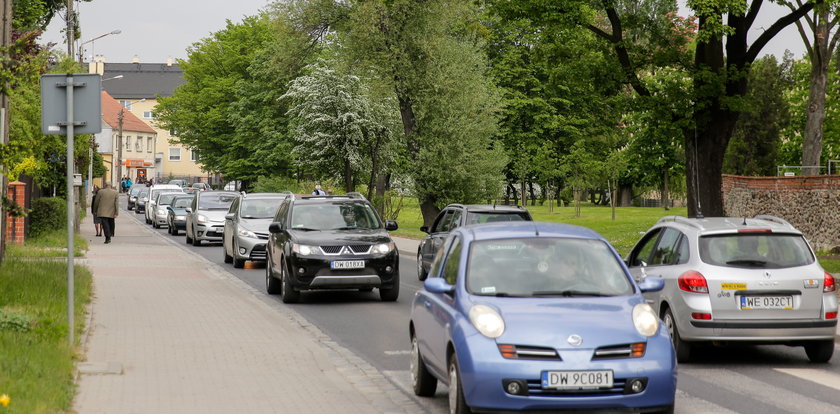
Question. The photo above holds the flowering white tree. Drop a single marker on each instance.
(339, 129)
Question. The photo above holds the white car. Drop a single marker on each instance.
(153, 193)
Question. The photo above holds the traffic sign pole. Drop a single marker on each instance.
(71, 160)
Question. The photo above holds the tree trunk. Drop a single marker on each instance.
(531, 193)
(664, 199)
(703, 181)
(374, 158)
(430, 210)
(625, 195)
(812, 141)
(524, 193)
(348, 176)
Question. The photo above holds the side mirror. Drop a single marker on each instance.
(229, 216)
(424, 229)
(169, 208)
(146, 199)
(275, 227)
(188, 210)
(438, 285)
(391, 225)
(652, 284)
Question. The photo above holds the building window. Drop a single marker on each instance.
(193, 155)
(148, 115)
(139, 144)
(172, 132)
(125, 103)
(128, 142)
(174, 154)
(150, 144)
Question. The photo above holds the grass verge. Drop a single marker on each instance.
(53, 244)
(36, 362)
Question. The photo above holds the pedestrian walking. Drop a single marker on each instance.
(107, 208)
(318, 190)
(97, 222)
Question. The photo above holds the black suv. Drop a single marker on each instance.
(457, 215)
(330, 242)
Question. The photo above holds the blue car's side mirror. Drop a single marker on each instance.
(652, 284)
(438, 285)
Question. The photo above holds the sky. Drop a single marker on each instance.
(154, 30)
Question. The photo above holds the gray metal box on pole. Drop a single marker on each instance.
(87, 103)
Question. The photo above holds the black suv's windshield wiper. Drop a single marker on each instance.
(303, 229)
(566, 293)
(748, 262)
(352, 228)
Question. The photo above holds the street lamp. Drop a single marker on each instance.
(81, 50)
(120, 117)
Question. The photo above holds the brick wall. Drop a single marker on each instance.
(809, 203)
(15, 230)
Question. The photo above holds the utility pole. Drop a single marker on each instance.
(71, 28)
(120, 117)
(5, 42)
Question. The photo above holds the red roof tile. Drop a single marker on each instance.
(110, 114)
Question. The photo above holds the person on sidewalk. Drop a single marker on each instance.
(97, 222)
(318, 191)
(107, 206)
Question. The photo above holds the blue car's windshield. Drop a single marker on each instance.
(550, 267)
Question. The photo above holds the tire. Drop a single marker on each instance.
(391, 294)
(820, 352)
(287, 292)
(423, 382)
(237, 262)
(457, 403)
(196, 242)
(189, 239)
(155, 225)
(228, 258)
(421, 272)
(272, 285)
(682, 348)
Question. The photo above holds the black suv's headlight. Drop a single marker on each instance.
(383, 248)
(304, 250)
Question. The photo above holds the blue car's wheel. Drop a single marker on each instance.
(423, 382)
(457, 403)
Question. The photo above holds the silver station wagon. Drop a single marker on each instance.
(737, 279)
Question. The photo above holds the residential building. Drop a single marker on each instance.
(126, 143)
(137, 85)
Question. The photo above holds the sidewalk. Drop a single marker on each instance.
(171, 332)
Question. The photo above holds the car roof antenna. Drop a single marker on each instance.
(745, 221)
(536, 231)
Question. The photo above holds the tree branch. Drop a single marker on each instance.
(780, 24)
(754, 8)
(620, 49)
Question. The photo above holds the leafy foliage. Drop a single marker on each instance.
(47, 214)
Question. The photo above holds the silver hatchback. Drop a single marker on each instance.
(738, 279)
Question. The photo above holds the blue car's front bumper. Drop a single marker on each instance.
(484, 371)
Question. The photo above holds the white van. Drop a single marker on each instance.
(153, 192)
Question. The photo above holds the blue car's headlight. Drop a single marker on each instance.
(487, 321)
(645, 319)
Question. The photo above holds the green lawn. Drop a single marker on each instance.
(622, 233)
(53, 244)
(36, 362)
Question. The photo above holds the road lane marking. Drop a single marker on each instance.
(400, 352)
(819, 376)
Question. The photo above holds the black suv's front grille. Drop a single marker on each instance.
(331, 249)
(360, 248)
(353, 248)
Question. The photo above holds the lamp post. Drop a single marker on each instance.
(120, 118)
(81, 49)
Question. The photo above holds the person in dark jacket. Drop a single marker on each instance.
(97, 222)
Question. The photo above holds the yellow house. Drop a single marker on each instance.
(136, 86)
(126, 143)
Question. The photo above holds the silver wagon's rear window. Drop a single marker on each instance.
(764, 250)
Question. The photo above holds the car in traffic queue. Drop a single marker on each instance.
(246, 227)
(179, 183)
(133, 192)
(457, 215)
(152, 197)
(206, 216)
(538, 317)
(140, 202)
(160, 213)
(176, 214)
(330, 242)
(201, 186)
(737, 279)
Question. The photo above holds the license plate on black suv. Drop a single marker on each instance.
(347, 264)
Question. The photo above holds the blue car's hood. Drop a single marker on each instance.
(550, 321)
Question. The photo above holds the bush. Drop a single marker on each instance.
(47, 214)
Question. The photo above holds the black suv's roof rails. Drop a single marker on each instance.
(351, 195)
(679, 219)
(773, 218)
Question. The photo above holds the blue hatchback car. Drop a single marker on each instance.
(542, 317)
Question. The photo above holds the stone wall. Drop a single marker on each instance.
(809, 203)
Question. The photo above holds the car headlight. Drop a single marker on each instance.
(383, 248)
(645, 319)
(247, 233)
(161, 211)
(201, 219)
(487, 321)
(303, 249)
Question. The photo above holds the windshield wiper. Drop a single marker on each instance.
(566, 293)
(303, 229)
(352, 228)
(248, 217)
(748, 262)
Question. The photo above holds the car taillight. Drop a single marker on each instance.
(831, 315)
(828, 283)
(694, 282)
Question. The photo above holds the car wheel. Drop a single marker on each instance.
(682, 348)
(287, 292)
(391, 294)
(423, 382)
(457, 403)
(228, 258)
(237, 262)
(196, 241)
(155, 225)
(820, 351)
(272, 285)
(187, 233)
(421, 272)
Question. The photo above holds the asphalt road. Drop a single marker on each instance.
(731, 379)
